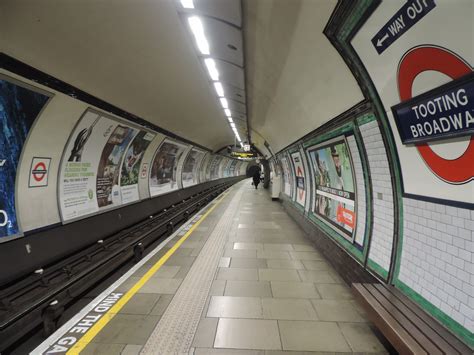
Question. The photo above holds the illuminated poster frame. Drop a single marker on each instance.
(167, 167)
(299, 174)
(191, 177)
(287, 176)
(334, 199)
(15, 130)
(89, 183)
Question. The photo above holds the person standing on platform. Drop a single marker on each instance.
(256, 178)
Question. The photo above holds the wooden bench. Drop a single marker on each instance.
(408, 328)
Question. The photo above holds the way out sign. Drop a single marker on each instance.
(412, 12)
(39, 172)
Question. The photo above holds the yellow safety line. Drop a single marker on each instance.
(102, 322)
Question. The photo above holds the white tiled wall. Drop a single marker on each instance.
(382, 233)
(361, 205)
(438, 257)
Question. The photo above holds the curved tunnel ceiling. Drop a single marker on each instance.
(219, 44)
(296, 80)
(144, 60)
(139, 58)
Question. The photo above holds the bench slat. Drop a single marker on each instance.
(394, 332)
(405, 322)
(414, 317)
(434, 324)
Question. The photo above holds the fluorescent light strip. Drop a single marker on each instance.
(197, 28)
(219, 89)
(198, 32)
(187, 4)
(211, 68)
(224, 103)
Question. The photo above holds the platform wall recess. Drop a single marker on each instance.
(361, 218)
(414, 217)
(382, 233)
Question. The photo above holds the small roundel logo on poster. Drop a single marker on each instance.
(90, 193)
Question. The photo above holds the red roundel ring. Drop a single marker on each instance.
(299, 173)
(414, 62)
(38, 175)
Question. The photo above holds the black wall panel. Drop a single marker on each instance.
(39, 249)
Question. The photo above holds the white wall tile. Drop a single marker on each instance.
(445, 239)
(383, 226)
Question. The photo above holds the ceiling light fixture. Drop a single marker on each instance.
(211, 68)
(219, 89)
(227, 112)
(198, 32)
(232, 125)
(187, 4)
(224, 102)
(230, 119)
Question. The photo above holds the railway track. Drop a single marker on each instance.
(37, 301)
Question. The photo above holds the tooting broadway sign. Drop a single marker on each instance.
(445, 112)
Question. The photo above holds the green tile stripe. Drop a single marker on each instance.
(367, 118)
(357, 12)
(373, 266)
(447, 321)
(297, 205)
(348, 246)
(352, 19)
(293, 150)
(348, 127)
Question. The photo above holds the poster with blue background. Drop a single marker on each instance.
(19, 108)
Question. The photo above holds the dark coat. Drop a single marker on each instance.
(256, 177)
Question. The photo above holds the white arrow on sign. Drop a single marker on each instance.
(381, 40)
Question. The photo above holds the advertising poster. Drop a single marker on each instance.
(237, 168)
(273, 168)
(163, 174)
(19, 108)
(214, 167)
(90, 182)
(190, 174)
(300, 178)
(424, 78)
(204, 172)
(225, 172)
(286, 176)
(232, 166)
(108, 184)
(334, 201)
(130, 171)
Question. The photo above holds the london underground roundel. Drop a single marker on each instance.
(424, 58)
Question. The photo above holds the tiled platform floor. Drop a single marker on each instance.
(273, 292)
